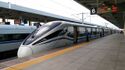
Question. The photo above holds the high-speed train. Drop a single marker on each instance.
(11, 36)
(57, 34)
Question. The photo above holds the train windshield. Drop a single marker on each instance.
(41, 31)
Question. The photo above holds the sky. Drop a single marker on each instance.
(67, 8)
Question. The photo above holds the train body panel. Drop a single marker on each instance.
(58, 34)
(9, 46)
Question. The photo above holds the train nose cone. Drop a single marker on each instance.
(24, 52)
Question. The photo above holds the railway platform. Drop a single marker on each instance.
(107, 53)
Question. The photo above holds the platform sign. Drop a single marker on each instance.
(93, 11)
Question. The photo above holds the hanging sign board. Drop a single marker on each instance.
(93, 11)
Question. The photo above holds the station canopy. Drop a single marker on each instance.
(41, 10)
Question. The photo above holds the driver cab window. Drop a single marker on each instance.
(55, 34)
(60, 32)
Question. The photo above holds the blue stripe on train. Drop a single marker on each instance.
(59, 39)
(71, 39)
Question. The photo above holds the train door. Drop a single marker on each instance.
(81, 35)
(88, 33)
(91, 31)
(70, 34)
(92, 36)
(73, 33)
(103, 33)
(110, 31)
(98, 32)
(95, 32)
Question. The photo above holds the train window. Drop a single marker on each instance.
(44, 29)
(55, 34)
(62, 32)
(2, 37)
(10, 37)
(94, 31)
(70, 31)
(89, 30)
(81, 31)
(97, 31)
(19, 36)
(5, 38)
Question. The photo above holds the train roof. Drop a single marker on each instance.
(16, 29)
(77, 24)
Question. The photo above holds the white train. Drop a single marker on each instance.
(57, 34)
(11, 36)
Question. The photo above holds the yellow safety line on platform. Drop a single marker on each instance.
(11, 68)
(43, 58)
